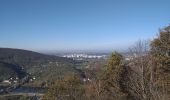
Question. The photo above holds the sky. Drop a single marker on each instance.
(80, 24)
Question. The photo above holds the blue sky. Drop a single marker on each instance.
(80, 24)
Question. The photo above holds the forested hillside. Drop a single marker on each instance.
(26, 58)
(44, 67)
(9, 70)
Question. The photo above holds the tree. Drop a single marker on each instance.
(70, 88)
(111, 80)
(141, 75)
(160, 51)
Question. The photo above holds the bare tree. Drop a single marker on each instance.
(141, 74)
(140, 48)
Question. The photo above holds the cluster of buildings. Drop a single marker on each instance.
(86, 56)
(11, 80)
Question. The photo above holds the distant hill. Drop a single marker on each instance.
(26, 58)
(44, 67)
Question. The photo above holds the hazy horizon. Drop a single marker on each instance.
(75, 25)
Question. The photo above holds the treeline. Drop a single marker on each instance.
(27, 59)
(146, 76)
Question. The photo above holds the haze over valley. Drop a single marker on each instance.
(84, 50)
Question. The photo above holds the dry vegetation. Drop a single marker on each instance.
(145, 77)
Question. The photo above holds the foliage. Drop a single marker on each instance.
(109, 86)
(148, 74)
(70, 88)
(160, 51)
(111, 80)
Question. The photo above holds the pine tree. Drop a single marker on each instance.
(160, 51)
(111, 80)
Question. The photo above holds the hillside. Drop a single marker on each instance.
(10, 70)
(26, 58)
(44, 67)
